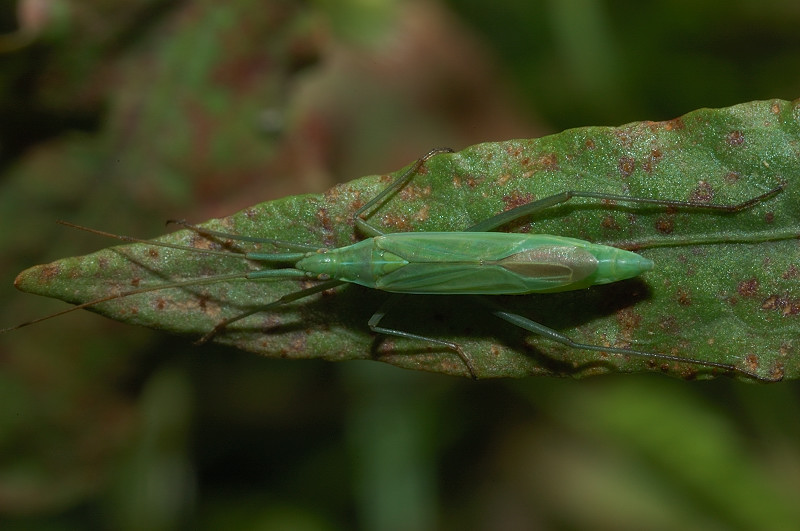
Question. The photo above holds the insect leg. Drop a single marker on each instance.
(289, 297)
(362, 214)
(524, 210)
(376, 318)
(549, 333)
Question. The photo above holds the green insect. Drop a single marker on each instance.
(475, 262)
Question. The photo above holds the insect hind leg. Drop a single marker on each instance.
(540, 329)
(503, 218)
(381, 313)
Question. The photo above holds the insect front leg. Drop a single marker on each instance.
(381, 313)
(289, 297)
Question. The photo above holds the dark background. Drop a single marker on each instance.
(122, 114)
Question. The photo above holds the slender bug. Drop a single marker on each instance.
(476, 262)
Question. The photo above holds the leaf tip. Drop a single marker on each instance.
(34, 279)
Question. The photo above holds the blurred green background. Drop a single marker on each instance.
(122, 114)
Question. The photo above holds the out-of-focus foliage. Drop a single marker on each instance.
(131, 112)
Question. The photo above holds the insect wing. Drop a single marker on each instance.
(484, 263)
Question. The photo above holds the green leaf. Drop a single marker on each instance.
(725, 287)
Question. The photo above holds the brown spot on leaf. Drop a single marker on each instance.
(332, 195)
(784, 304)
(387, 346)
(674, 125)
(626, 166)
(748, 288)
(229, 225)
(355, 204)
(770, 303)
(655, 156)
(410, 193)
(200, 242)
(629, 321)
(665, 225)
(397, 222)
(769, 217)
(153, 253)
(683, 297)
(299, 344)
(46, 273)
(669, 324)
(590, 144)
(792, 307)
(609, 222)
(777, 373)
(609, 202)
(624, 137)
(515, 199)
(703, 193)
(791, 273)
(513, 150)
(161, 303)
(135, 281)
(732, 177)
(423, 214)
(661, 365)
(735, 138)
(548, 162)
(325, 220)
(785, 349)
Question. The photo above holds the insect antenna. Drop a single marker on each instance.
(131, 239)
(137, 291)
